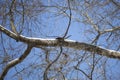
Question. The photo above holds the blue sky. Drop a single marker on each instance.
(48, 25)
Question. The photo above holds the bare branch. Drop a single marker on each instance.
(65, 43)
(69, 20)
(111, 30)
(49, 65)
(15, 62)
(82, 71)
(13, 27)
(117, 4)
(96, 38)
(91, 22)
(8, 32)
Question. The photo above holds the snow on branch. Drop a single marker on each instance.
(65, 43)
(15, 62)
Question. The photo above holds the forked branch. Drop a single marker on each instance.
(15, 62)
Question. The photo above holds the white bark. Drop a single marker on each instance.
(38, 42)
(65, 43)
(15, 62)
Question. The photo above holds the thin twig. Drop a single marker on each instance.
(23, 13)
(12, 17)
(49, 65)
(82, 72)
(69, 20)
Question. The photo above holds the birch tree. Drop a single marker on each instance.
(37, 39)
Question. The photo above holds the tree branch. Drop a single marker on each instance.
(15, 62)
(38, 42)
(13, 27)
(69, 23)
(49, 65)
(111, 30)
